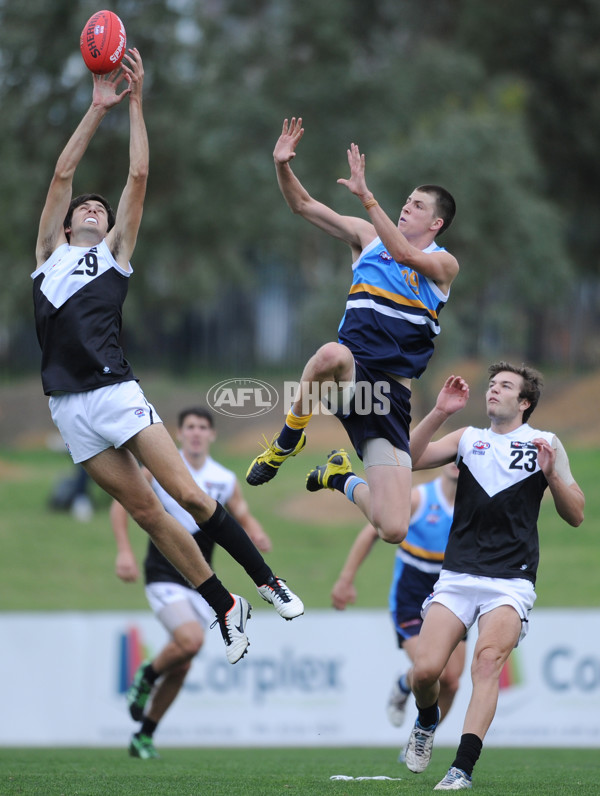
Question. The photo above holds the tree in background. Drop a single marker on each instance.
(451, 91)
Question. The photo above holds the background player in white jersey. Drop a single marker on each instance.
(401, 281)
(83, 251)
(418, 563)
(492, 555)
(183, 612)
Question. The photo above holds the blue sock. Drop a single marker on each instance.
(351, 482)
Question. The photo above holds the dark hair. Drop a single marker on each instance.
(533, 382)
(445, 206)
(197, 411)
(88, 197)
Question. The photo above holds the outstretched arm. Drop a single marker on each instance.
(356, 232)
(123, 236)
(104, 96)
(441, 267)
(426, 454)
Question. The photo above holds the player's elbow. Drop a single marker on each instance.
(576, 520)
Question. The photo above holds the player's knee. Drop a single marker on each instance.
(449, 685)
(193, 500)
(147, 515)
(327, 360)
(390, 529)
(423, 675)
(486, 665)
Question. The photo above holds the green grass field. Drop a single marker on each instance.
(275, 772)
(50, 561)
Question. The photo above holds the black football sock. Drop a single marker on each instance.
(428, 717)
(216, 595)
(468, 752)
(338, 481)
(225, 531)
(150, 674)
(148, 727)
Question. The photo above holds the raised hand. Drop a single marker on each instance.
(357, 183)
(291, 133)
(453, 396)
(546, 455)
(134, 70)
(105, 88)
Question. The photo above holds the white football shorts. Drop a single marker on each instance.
(92, 421)
(175, 605)
(471, 596)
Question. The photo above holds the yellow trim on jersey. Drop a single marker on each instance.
(420, 552)
(362, 287)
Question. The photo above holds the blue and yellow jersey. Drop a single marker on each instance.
(426, 540)
(391, 317)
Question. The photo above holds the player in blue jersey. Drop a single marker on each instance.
(491, 559)
(418, 563)
(83, 253)
(401, 282)
(184, 614)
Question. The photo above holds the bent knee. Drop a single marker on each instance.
(423, 675)
(391, 530)
(328, 359)
(449, 685)
(194, 501)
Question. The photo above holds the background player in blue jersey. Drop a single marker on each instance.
(83, 251)
(401, 281)
(491, 559)
(418, 563)
(182, 611)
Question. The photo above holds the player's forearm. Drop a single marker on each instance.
(139, 150)
(119, 522)
(568, 500)
(421, 436)
(292, 189)
(361, 547)
(391, 237)
(76, 146)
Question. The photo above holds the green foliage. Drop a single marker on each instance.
(487, 99)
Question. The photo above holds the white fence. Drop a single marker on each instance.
(321, 680)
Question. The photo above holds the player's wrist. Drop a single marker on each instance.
(368, 201)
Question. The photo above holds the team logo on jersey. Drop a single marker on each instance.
(480, 445)
(522, 445)
(140, 412)
(387, 258)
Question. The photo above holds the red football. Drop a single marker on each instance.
(103, 42)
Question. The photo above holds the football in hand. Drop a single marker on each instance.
(103, 42)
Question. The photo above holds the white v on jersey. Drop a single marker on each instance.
(78, 296)
(500, 488)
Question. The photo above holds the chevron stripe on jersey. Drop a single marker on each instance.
(391, 316)
(78, 295)
(500, 487)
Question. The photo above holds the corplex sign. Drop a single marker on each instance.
(564, 670)
(287, 673)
